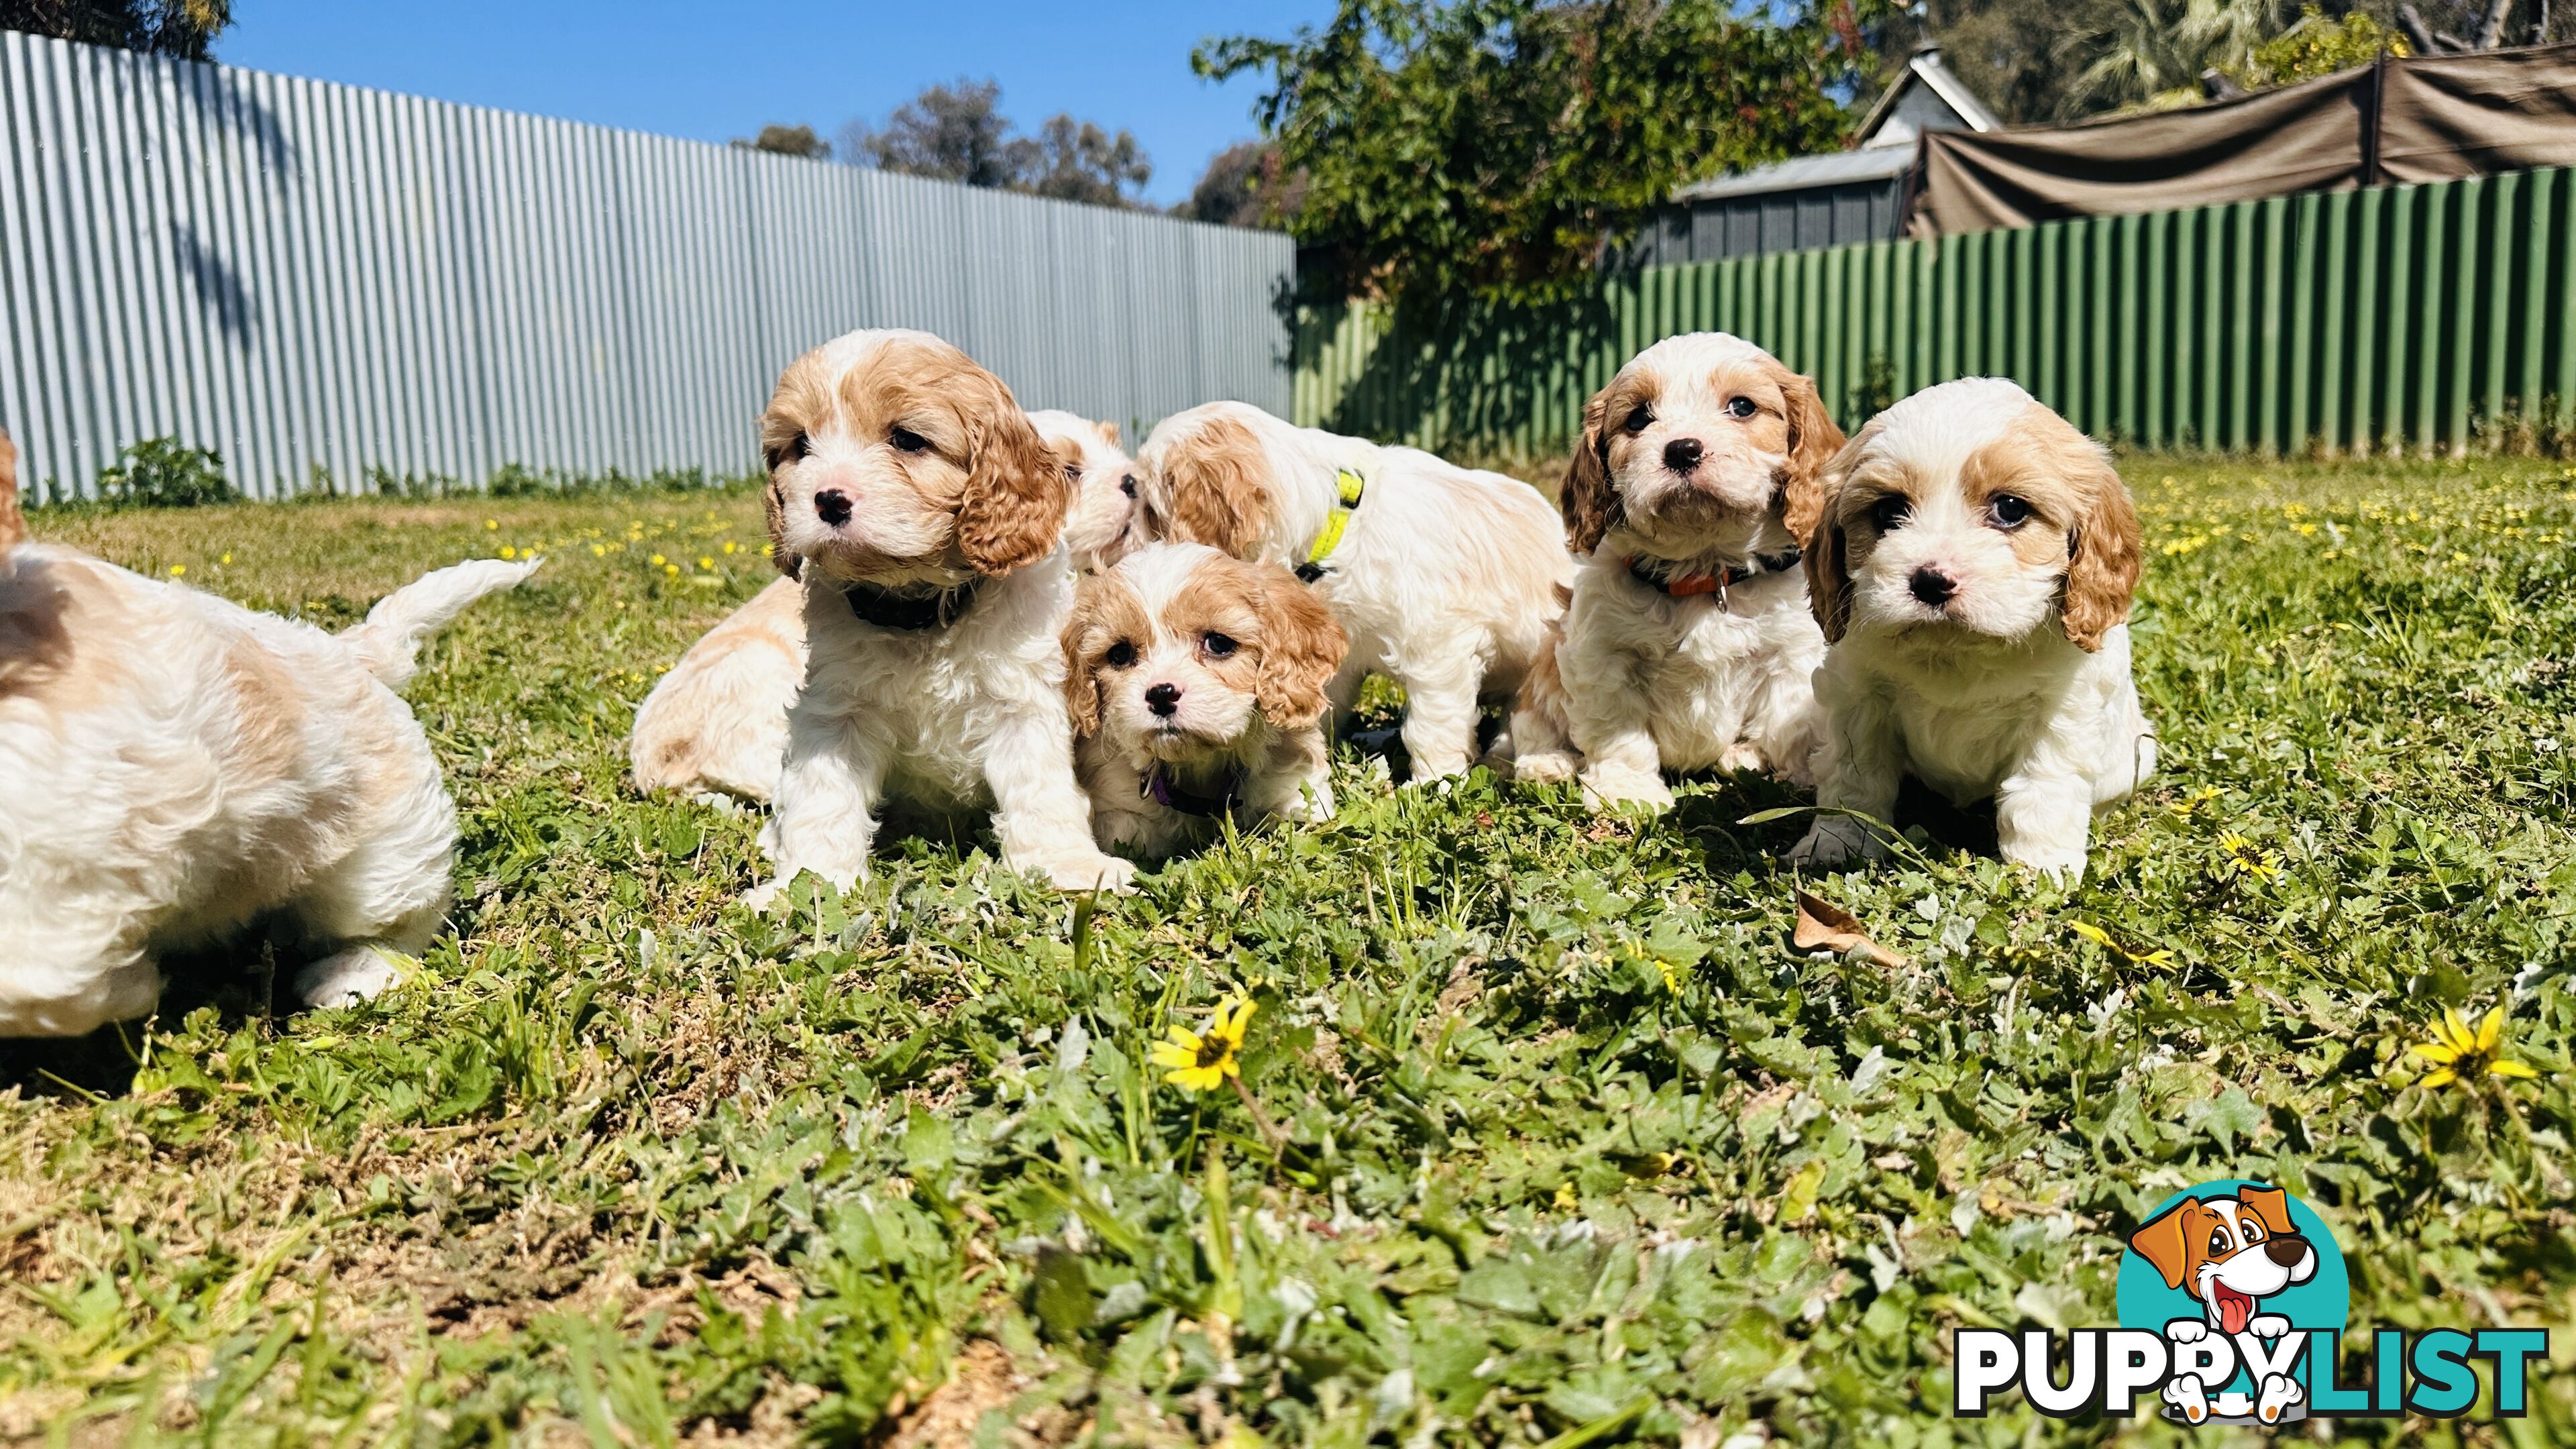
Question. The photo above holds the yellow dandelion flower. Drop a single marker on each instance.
(492, 525)
(1566, 1201)
(672, 569)
(706, 563)
(730, 545)
(227, 558)
(178, 571)
(1202, 1063)
(2457, 1053)
(508, 552)
(598, 550)
(658, 560)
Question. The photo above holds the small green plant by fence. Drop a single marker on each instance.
(2406, 319)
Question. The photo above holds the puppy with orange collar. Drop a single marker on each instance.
(2230, 1253)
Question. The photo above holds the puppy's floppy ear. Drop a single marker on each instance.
(13, 524)
(2272, 1205)
(2165, 1240)
(1813, 441)
(2102, 550)
(1013, 508)
(1109, 434)
(1213, 488)
(1586, 498)
(773, 501)
(1301, 651)
(1828, 552)
(1081, 682)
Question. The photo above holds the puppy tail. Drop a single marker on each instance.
(388, 643)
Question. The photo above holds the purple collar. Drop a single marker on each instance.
(1160, 787)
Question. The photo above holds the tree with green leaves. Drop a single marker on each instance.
(799, 141)
(957, 132)
(184, 28)
(1497, 147)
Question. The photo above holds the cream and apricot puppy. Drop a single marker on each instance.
(1445, 578)
(178, 765)
(1196, 683)
(1973, 569)
(924, 516)
(716, 724)
(1688, 642)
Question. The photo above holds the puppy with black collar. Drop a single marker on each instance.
(1688, 642)
(924, 515)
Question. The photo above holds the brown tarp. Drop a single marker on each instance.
(2429, 118)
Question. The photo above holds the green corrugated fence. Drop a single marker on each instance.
(2396, 318)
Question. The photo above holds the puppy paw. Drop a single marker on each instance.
(1837, 840)
(2188, 1398)
(2267, 1325)
(359, 974)
(1618, 788)
(2279, 1392)
(762, 897)
(1742, 758)
(2187, 1330)
(1544, 767)
(1093, 871)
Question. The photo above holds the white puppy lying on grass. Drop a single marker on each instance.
(177, 765)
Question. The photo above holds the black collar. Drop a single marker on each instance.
(1159, 787)
(909, 612)
(1657, 574)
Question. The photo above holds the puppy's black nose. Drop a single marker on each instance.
(1162, 699)
(1932, 586)
(2286, 1250)
(1683, 454)
(832, 506)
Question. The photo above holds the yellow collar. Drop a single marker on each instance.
(1348, 488)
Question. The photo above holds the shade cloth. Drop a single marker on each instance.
(2417, 118)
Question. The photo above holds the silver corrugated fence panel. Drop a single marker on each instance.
(321, 282)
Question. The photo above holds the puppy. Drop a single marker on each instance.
(1196, 684)
(1102, 526)
(1688, 643)
(2231, 1253)
(1973, 569)
(924, 516)
(1445, 579)
(178, 765)
(716, 725)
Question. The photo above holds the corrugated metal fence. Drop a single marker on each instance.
(2394, 318)
(318, 280)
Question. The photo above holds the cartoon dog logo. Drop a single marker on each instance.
(2230, 1253)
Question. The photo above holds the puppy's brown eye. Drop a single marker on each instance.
(1218, 646)
(1127, 485)
(1638, 417)
(1740, 407)
(2008, 511)
(905, 440)
(2218, 1244)
(1073, 474)
(1120, 655)
(1889, 513)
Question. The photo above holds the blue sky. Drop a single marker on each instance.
(714, 71)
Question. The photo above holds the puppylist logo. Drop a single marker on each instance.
(2232, 1299)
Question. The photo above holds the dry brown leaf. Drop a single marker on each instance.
(1824, 926)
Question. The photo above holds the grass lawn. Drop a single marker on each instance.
(1577, 1148)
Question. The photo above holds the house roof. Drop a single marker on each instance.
(1924, 68)
(1882, 147)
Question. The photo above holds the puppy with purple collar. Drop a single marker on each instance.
(1196, 683)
